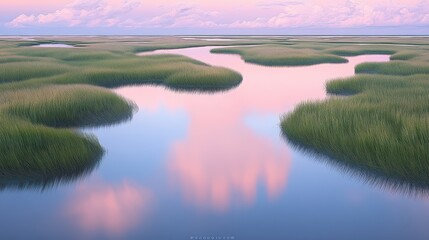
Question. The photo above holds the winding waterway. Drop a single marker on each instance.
(195, 165)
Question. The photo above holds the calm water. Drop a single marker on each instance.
(215, 165)
(211, 39)
(54, 45)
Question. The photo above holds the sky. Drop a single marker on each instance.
(214, 17)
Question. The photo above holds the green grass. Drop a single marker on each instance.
(203, 78)
(32, 145)
(45, 91)
(13, 59)
(18, 71)
(399, 68)
(69, 55)
(172, 71)
(162, 44)
(381, 129)
(403, 56)
(281, 55)
(364, 51)
(37, 155)
(31, 140)
(65, 106)
(113, 69)
(30, 151)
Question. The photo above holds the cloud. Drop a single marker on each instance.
(342, 13)
(274, 4)
(178, 16)
(262, 14)
(91, 13)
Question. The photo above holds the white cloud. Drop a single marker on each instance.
(342, 13)
(264, 14)
(90, 13)
(178, 16)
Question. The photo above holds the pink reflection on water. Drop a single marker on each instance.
(222, 160)
(228, 164)
(268, 89)
(110, 209)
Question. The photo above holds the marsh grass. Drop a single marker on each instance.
(68, 55)
(281, 55)
(403, 56)
(363, 51)
(173, 71)
(190, 44)
(66, 106)
(365, 174)
(203, 78)
(19, 71)
(400, 68)
(45, 91)
(35, 151)
(12, 59)
(383, 128)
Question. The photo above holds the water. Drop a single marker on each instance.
(212, 39)
(386, 44)
(215, 165)
(54, 45)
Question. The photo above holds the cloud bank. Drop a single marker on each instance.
(262, 14)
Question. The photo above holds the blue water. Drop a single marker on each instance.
(194, 166)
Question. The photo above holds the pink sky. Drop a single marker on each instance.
(218, 14)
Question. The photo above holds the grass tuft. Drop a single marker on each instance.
(393, 68)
